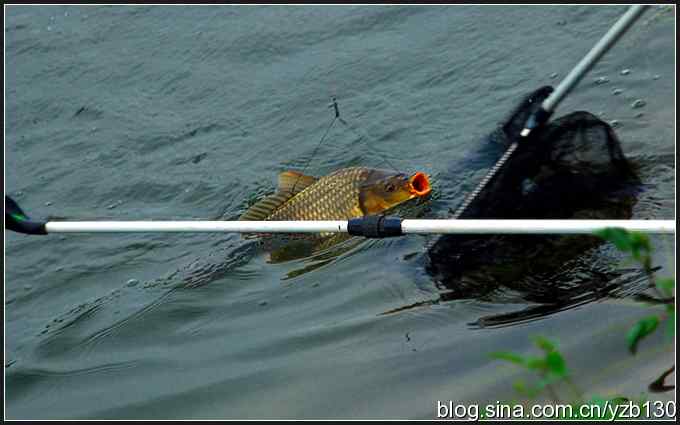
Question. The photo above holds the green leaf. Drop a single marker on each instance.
(556, 364)
(641, 329)
(666, 285)
(619, 400)
(536, 363)
(544, 343)
(618, 236)
(597, 400)
(542, 383)
(670, 321)
(522, 388)
(601, 402)
(640, 245)
(640, 242)
(509, 357)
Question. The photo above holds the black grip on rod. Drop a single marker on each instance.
(375, 226)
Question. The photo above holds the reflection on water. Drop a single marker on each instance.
(311, 253)
(567, 291)
(595, 275)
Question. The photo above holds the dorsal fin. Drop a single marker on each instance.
(266, 206)
(290, 184)
(295, 182)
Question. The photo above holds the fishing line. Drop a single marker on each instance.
(315, 150)
(365, 137)
(337, 117)
(336, 109)
(354, 129)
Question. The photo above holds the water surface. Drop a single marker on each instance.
(190, 112)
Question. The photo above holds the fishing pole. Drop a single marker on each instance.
(549, 105)
(381, 226)
(372, 226)
(580, 70)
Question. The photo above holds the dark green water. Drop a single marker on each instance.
(190, 112)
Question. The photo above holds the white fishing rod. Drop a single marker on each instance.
(368, 226)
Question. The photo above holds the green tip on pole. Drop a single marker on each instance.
(17, 221)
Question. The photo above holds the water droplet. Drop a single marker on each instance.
(617, 92)
(554, 75)
(48, 203)
(639, 103)
(615, 123)
(625, 71)
(262, 303)
(601, 80)
(528, 186)
(132, 282)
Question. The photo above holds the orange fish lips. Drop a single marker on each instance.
(419, 184)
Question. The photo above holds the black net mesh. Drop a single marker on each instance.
(571, 168)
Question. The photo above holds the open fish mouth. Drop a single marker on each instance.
(419, 184)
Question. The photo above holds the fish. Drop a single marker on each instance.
(344, 194)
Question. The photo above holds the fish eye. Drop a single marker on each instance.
(390, 187)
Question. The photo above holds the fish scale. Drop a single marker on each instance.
(333, 197)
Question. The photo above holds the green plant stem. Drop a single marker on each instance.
(551, 390)
(574, 389)
(553, 394)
